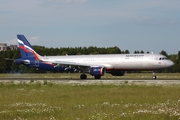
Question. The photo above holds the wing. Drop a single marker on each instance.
(76, 62)
(65, 63)
(77, 66)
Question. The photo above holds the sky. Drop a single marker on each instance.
(148, 25)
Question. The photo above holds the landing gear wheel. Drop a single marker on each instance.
(153, 75)
(97, 77)
(83, 76)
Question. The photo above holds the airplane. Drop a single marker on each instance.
(95, 65)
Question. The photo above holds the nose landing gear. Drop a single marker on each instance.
(153, 74)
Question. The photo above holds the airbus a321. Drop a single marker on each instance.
(95, 65)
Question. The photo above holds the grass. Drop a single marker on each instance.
(49, 101)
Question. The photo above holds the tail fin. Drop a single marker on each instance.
(26, 49)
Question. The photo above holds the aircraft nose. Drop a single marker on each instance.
(170, 63)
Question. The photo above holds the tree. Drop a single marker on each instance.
(125, 52)
(177, 62)
(142, 52)
(136, 52)
(14, 67)
(113, 50)
(164, 53)
(174, 59)
(102, 50)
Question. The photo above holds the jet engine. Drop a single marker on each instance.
(97, 71)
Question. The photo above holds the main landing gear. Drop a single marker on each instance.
(153, 74)
(83, 76)
(97, 77)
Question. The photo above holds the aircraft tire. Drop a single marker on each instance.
(83, 76)
(154, 77)
(97, 77)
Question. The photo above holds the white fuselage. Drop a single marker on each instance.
(115, 61)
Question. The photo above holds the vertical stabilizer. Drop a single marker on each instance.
(26, 49)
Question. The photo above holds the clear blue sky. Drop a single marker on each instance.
(148, 25)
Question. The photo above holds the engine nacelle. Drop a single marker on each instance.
(118, 73)
(97, 71)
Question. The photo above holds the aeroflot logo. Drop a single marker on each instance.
(22, 44)
(28, 49)
(134, 55)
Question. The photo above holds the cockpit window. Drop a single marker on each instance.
(164, 58)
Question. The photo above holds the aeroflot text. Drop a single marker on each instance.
(134, 55)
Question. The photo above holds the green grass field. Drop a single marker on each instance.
(49, 101)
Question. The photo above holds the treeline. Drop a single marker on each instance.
(11, 67)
